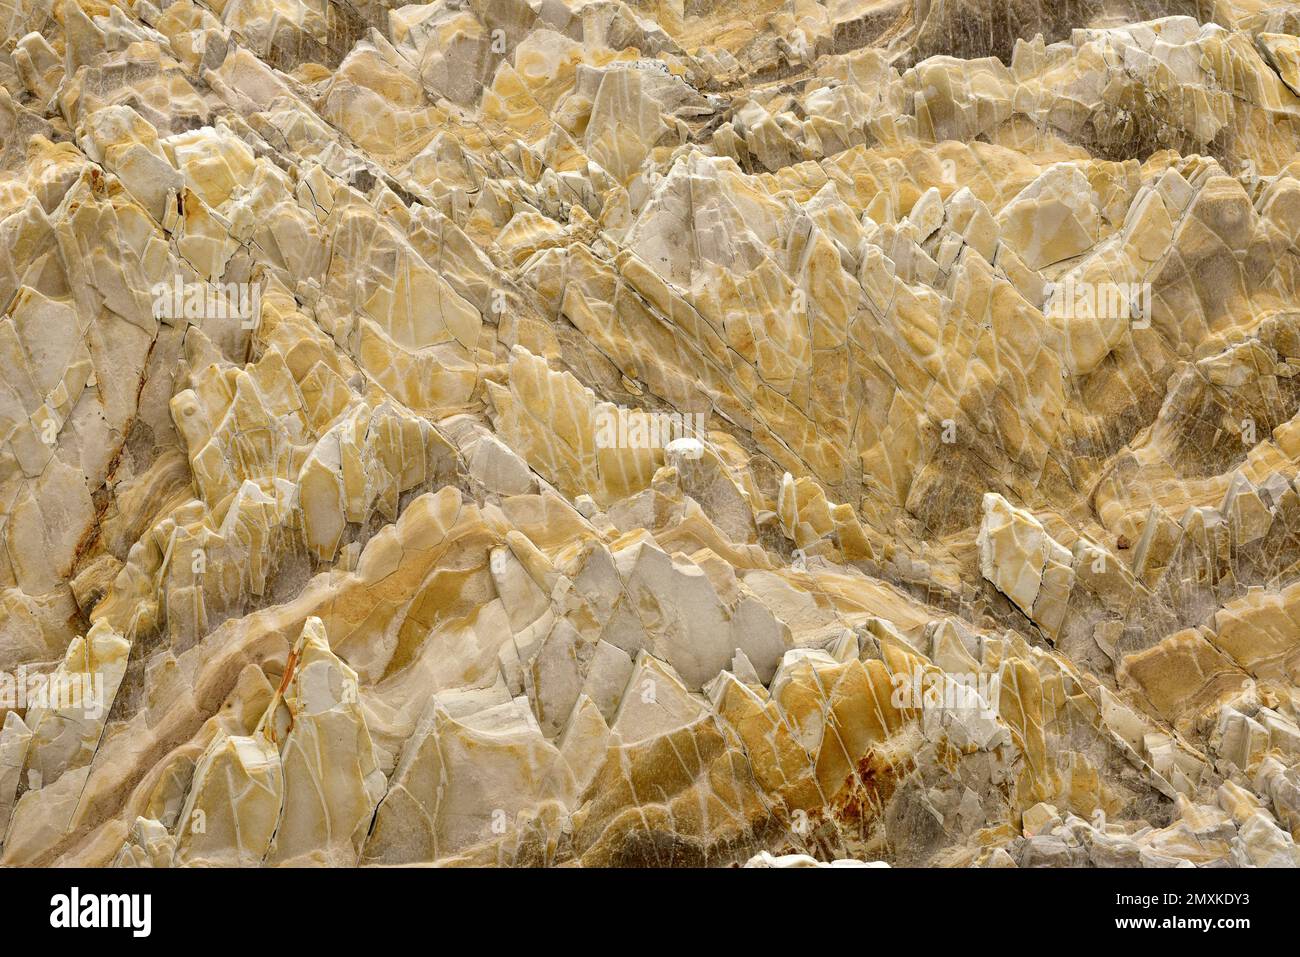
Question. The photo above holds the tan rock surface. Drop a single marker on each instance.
(550, 433)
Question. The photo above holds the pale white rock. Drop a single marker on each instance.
(764, 859)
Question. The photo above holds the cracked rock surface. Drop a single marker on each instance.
(578, 432)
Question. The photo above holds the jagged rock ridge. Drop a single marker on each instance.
(514, 433)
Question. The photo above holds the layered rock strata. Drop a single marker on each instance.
(548, 432)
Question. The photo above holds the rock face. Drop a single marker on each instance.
(550, 432)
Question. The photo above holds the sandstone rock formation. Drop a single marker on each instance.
(552, 432)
